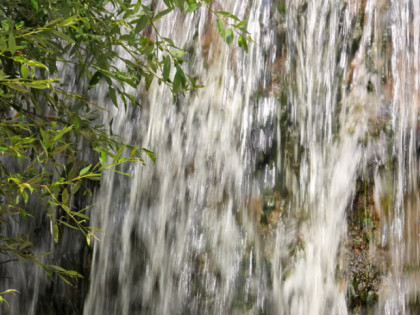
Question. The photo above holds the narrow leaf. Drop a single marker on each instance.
(25, 196)
(55, 233)
(241, 23)
(229, 36)
(81, 215)
(85, 170)
(166, 68)
(148, 77)
(35, 4)
(76, 187)
(102, 158)
(177, 53)
(151, 155)
(4, 26)
(228, 14)
(162, 13)
(113, 96)
(179, 80)
(242, 42)
(221, 28)
(65, 196)
(31, 63)
(95, 79)
(12, 43)
(179, 3)
(24, 71)
(193, 7)
(63, 36)
(141, 23)
(17, 87)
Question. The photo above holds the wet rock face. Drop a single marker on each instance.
(363, 267)
(364, 276)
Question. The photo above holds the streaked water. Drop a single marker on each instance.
(246, 209)
(250, 205)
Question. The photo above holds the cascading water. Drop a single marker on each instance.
(288, 185)
(185, 249)
(247, 208)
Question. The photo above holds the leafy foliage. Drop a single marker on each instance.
(43, 120)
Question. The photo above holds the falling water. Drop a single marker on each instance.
(288, 185)
(248, 208)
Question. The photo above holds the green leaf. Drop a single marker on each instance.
(94, 176)
(27, 185)
(193, 7)
(31, 63)
(141, 23)
(25, 196)
(39, 86)
(4, 25)
(228, 14)
(95, 79)
(177, 53)
(3, 48)
(24, 71)
(179, 3)
(166, 68)
(162, 13)
(12, 43)
(25, 245)
(229, 36)
(221, 28)
(55, 21)
(192, 80)
(23, 213)
(179, 80)
(113, 96)
(102, 158)
(69, 21)
(57, 268)
(17, 87)
(241, 23)
(169, 41)
(63, 36)
(88, 239)
(150, 154)
(81, 215)
(66, 224)
(168, 3)
(243, 29)
(65, 196)
(15, 180)
(95, 229)
(242, 42)
(76, 187)
(64, 131)
(55, 233)
(35, 4)
(122, 173)
(137, 7)
(148, 77)
(85, 170)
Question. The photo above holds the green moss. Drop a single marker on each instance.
(362, 272)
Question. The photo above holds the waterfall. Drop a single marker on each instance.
(288, 185)
(249, 206)
(179, 235)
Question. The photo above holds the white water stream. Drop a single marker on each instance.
(327, 97)
(250, 207)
